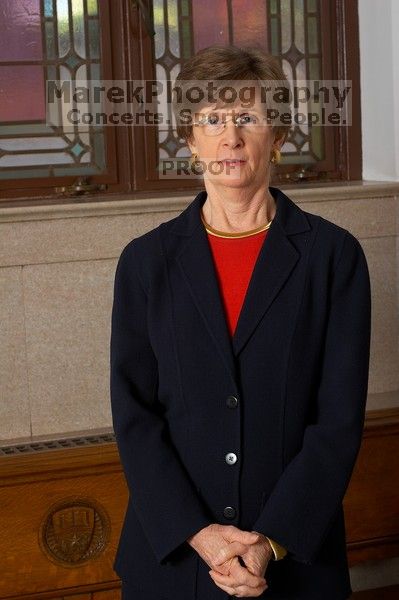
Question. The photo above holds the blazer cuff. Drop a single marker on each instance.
(165, 549)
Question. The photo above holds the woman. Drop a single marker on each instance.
(239, 371)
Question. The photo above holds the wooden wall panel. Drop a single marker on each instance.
(388, 593)
(82, 490)
(371, 503)
(90, 482)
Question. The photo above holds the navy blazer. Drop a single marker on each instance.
(286, 394)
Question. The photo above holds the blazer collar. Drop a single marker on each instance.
(289, 216)
(275, 262)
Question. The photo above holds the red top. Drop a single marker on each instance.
(234, 259)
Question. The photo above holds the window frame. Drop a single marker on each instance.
(341, 141)
(116, 177)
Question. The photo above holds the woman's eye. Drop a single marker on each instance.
(247, 119)
(212, 119)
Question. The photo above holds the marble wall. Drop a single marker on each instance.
(57, 265)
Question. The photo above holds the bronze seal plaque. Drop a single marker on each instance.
(74, 531)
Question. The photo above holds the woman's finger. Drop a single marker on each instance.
(245, 577)
(240, 591)
(229, 551)
(234, 534)
(229, 590)
(238, 576)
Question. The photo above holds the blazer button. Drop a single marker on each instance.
(232, 402)
(229, 512)
(231, 458)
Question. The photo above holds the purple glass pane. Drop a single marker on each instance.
(250, 25)
(210, 23)
(20, 28)
(22, 94)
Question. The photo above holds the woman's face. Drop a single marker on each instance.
(250, 145)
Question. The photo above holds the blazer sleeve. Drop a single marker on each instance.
(311, 489)
(163, 495)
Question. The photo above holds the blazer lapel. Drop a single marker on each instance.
(197, 266)
(276, 260)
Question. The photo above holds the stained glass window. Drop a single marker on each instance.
(289, 29)
(46, 40)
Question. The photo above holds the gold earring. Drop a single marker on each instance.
(275, 156)
(194, 158)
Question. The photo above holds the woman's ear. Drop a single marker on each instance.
(279, 142)
(191, 144)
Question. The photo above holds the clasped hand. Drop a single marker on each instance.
(221, 545)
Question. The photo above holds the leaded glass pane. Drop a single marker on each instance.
(20, 27)
(249, 28)
(275, 34)
(186, 39)
(48, 8)
(286, 30)
(313, 44)
(22, 93)
(299, 25)
(78, 26)
(312, 5)
(173, 27)
(159, 38)
(50, 40)
(210, 23)
(94, 39)
(63, 26)
(92, 7)
(43, 143)
(20, 160)
(314, 68)
(55, 37)
(185, 8)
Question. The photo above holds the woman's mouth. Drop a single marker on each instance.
(233, 162)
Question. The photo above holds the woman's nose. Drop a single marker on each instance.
(231, 134)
